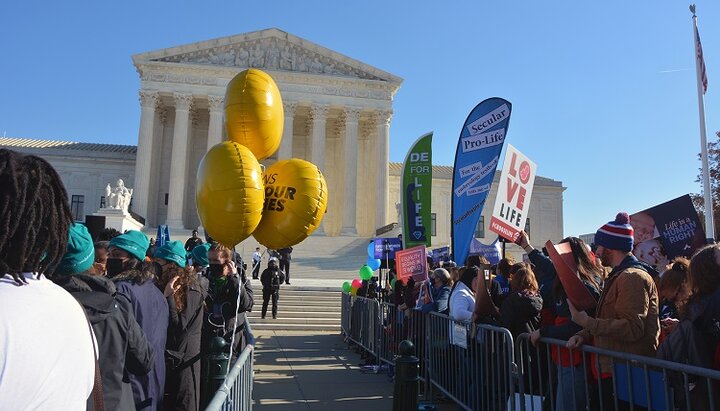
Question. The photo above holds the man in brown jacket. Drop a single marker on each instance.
(627, 313)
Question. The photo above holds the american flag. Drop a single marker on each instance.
(701, 60)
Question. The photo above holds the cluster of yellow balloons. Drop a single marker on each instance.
(235, 198)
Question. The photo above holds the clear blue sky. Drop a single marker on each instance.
(603, 93)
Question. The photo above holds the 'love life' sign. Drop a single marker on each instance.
(513, 196)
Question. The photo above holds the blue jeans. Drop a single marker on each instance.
(571, 389)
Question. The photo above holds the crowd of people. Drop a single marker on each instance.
(669, 312)
(113, 322)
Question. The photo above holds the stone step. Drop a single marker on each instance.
(297, 321)
(309, 299)
(297, 327)
(297, 314)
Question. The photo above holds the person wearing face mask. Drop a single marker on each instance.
(185, 296)
(133, 279)
(122, 346)
(228, 287)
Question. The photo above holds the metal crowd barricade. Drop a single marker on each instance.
(555, 377)
(397, 325)
(363, 321)
(345, 305)
(472, 365)
(235, 394)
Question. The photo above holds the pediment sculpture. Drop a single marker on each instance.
(271, 54)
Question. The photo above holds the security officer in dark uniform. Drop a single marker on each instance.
(271, 278)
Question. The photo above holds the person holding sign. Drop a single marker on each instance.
(627, 313)
(570, 365)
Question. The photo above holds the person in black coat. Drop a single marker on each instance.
(285, 257)
(230, 294)
(185, 297)
(520, 310)
(136, 288)
(271, 278)
(122, 346)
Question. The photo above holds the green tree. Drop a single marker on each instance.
(714, 168)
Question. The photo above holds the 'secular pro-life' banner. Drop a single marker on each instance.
(476, 159)
(416, 195)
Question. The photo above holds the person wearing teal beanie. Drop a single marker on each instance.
(127, 251)
(80, 253)
(200, 256)
(172, 252)
(185, 297)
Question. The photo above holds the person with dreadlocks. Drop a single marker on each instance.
(122, 346)
(134, 281)
(35, 219)
(185, 296)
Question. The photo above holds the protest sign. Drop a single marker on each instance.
(411, 263)
(440, 254)
(386, 247)
(490, 251)
(513, 196)
(416, 195)
(667, 231)
(566, 268)
(476, 158)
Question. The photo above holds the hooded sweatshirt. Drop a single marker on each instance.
(122, 346)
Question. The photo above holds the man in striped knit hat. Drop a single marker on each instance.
(627, 313)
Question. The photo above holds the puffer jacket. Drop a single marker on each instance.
(627, 314)
(122, 346)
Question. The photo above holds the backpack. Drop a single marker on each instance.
(275, 280)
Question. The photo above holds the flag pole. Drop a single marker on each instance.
(709, 223)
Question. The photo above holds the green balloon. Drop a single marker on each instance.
(366, 272)
(346, 286)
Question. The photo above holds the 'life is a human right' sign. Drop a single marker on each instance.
(513, 196)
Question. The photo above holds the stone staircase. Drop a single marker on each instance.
(299, 308)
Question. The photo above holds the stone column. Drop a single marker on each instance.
(216, 104)
(351, 172)
(178, 161)
(319, 113)
(143, 160)
(382, 157)
(286, 145)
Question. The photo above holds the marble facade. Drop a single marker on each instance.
(337, 115)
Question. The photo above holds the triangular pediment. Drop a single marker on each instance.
(271, 49)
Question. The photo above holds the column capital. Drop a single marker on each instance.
(216, 103)
(383, 117)
(289, 107)
(183, 101)
(351, 114)
(149, 98)
(319, 111)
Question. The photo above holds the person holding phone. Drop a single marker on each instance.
(228, 286)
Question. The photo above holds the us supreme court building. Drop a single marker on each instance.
(338, 113)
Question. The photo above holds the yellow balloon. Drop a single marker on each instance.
(296, 198)
(229, 194)
(254, 113)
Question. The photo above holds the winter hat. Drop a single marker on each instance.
(200, 255)
(616, 235)
(173, 252)
(134, 242)
(80, 253)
